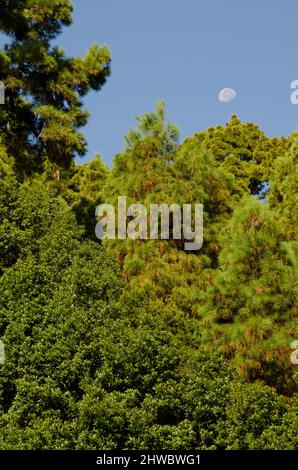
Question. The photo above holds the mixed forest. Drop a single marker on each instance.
(138, 344)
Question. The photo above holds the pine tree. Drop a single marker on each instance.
(283, 193)
(251, 305)
(84, 191)
(155, 169)
(245, 151)
(43, 87)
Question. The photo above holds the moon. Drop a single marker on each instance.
(226, 95)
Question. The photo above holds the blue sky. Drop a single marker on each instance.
(184, 52)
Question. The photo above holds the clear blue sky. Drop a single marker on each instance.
(184, 52)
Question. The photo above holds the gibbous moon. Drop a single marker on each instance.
(226, 95)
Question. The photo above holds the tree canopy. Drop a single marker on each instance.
(138, 344)
(43, 87)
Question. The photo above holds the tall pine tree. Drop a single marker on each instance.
(43, 109)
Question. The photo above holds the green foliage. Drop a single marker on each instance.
(138, 344)
(55, 296)
(283, 194)
(43, 111)
(79, 372)
(253, 413)
(86, 369)
(152, 127)
(32, 19)
(252, 301)
(284, 434)
(84, 191)
(239, 292)
(153, 169)
(244, 151)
